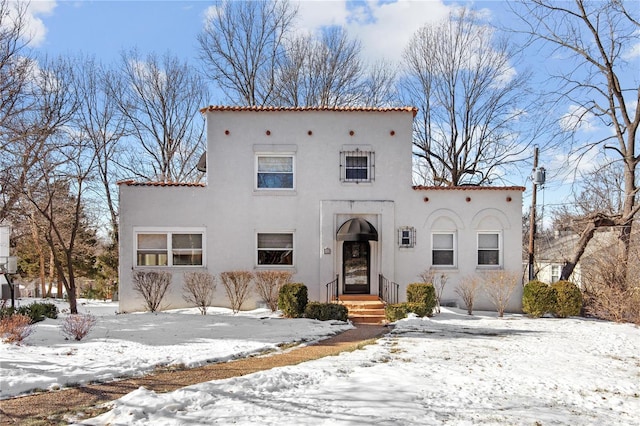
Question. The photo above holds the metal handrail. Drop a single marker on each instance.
(388, 290)
(332, 290)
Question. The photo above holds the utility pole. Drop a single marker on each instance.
(532, 215)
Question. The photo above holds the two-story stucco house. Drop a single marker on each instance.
(323, 192)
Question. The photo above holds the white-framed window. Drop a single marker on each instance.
(443, 249)
(357, 165)
(275, 171)
(180, 247)
(406, 236)
(274, 248)
(489, 249)
(555, 273)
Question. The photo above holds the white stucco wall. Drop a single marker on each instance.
(231, 211)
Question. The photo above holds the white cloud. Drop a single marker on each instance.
(578, 118)
(383, 28)
(633, 51)
(35, 30)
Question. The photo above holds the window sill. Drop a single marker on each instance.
(275, 268)
(489, 267)
(448, 268)
(275, 192)
(146, 267)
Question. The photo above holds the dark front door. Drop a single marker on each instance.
(355, 267)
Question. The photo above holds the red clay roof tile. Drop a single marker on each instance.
(413, 110)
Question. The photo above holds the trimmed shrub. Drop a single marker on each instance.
(292, 300)
(467, 289)
(77, 326)
(422, 293)
(198, 289)
(152, 286)
(268, 284)
(568, 299)
(538, 298)
(15, 328)
(237, 286)
(326, 311)
(399, 311)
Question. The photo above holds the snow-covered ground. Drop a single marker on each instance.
(133, 344)
(451, 369)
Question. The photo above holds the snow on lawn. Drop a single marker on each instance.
(451, 369)
(133, 344)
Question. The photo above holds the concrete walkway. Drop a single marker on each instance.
(50, 408)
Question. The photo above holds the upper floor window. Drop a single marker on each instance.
(275, 249)
(357, 166)
(274, 171)
(489, 249)
(443, 249)
(169, 248)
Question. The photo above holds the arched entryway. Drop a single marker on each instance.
(356, 235)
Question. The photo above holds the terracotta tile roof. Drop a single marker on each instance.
(413, 110)
(469, 188)
(131, 182)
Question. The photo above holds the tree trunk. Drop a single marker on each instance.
(595, 222)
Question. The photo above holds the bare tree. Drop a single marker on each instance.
(236, 284)
(52, 168)
(241, 44)
(325, 72)
(161, 98)
(16, 67)
(198, 289)
(100, 121)
(597, 38)
(152, 286)
(470, 99)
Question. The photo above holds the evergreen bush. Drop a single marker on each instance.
(399, 311)
(568, 299)
(38, 311)
(538, 298)
(423, 293)
(326, 311)
(292, 300)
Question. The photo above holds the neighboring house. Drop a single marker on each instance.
(553, 252)
(324, 193)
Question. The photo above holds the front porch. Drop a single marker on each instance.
(364, 308)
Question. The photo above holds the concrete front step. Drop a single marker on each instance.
(364, 309)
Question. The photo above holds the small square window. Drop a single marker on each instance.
(356, 166)
(406, 236)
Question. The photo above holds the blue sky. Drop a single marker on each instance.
(104, 28)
